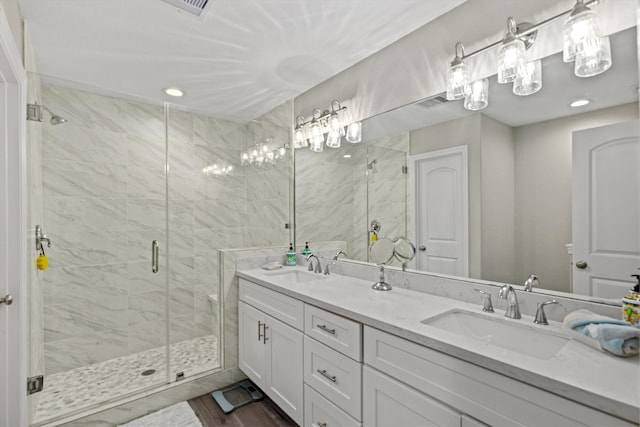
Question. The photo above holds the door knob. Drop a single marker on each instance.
(422, 248)
(7, 299)
(581, 264)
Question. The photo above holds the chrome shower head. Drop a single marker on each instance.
(372, 166)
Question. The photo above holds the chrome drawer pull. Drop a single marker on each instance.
(264, 333)
(323, 372)
(324, 328)
(259, 333)
(321, 424)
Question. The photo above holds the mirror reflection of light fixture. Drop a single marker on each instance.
(330, 122)
(354, 133)
(478, 95)
(457, 75)
(595, 58)
(510, 54)
(299, 137)
(263, 153)
(316, 138)
(579, 30)
(529, 79)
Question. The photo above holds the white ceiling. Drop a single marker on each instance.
(243, 59)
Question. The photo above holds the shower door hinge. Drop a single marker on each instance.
(405, 170)
(35, 384)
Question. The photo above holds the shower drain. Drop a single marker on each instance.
(148, 372)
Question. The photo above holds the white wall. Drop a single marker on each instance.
(543, 193)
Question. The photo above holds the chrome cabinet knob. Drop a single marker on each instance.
(8, 299)
(581, 264)
(422, 248)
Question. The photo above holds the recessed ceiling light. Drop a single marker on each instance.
(579, 103)
(173, 91)
(347, 156)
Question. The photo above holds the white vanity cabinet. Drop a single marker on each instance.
(453, 387)
(270, 350)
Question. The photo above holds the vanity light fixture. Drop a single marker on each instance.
(510, 54)
(579, 103)
(457, 75)
(582, 44)
(263, 153)
(478, 96)
(173, 91)
(331, 123)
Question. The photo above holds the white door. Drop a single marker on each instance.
(14, 357)
(606, 209)
(252, 347)
(284, 368)
(440, 194)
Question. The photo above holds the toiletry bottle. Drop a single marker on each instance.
(306, 251)
(631, 304)
(291, 255)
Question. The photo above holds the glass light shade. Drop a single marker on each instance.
(334, 139)
(299, 138)
(335, 124)
(244, 159)
(529, 79)
(595, 59)
(579, 30)
(510, 60)
(478, 96)
(457, 80)
(354, 133)
(315, 137)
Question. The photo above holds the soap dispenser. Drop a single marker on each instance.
(291, 256)
(306, 251)
(631, 304)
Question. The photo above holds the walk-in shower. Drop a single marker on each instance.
(104, 326)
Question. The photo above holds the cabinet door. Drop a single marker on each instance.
(284, 368)
(387, 402)
(252, 352)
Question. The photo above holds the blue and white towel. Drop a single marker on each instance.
(614, 336)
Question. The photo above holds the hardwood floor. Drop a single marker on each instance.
(263, 413)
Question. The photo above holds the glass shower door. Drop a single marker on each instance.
(98, 189)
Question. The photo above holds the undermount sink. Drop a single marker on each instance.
(295, 276)
(495, 330)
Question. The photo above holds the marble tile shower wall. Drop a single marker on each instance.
(337, 197)
(104, 201)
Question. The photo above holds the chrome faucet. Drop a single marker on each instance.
(531, 282)
(337, 255)
(541, 317)
(318, 268)
(513, 310)
(486, 306)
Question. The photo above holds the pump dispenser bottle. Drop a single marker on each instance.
(291, 256)
(306, 251)
(631, 304)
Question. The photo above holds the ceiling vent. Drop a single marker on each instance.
(433, 101)
(194, 7)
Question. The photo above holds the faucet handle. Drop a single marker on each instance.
(541, 317)
(487, 306)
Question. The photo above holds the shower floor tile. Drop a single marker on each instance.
(90, 386)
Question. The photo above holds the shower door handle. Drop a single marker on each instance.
(155, 247)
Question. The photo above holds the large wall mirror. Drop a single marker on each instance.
(510, 182)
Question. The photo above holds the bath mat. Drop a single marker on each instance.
(178, 415)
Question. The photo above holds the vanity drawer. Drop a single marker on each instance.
(485, 395)
(334, 375)
(335, 331)
(319, 412)
(279, 306)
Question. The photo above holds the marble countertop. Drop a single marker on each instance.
(578, 372)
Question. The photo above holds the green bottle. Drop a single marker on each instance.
(306, 251)
(291, 255)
